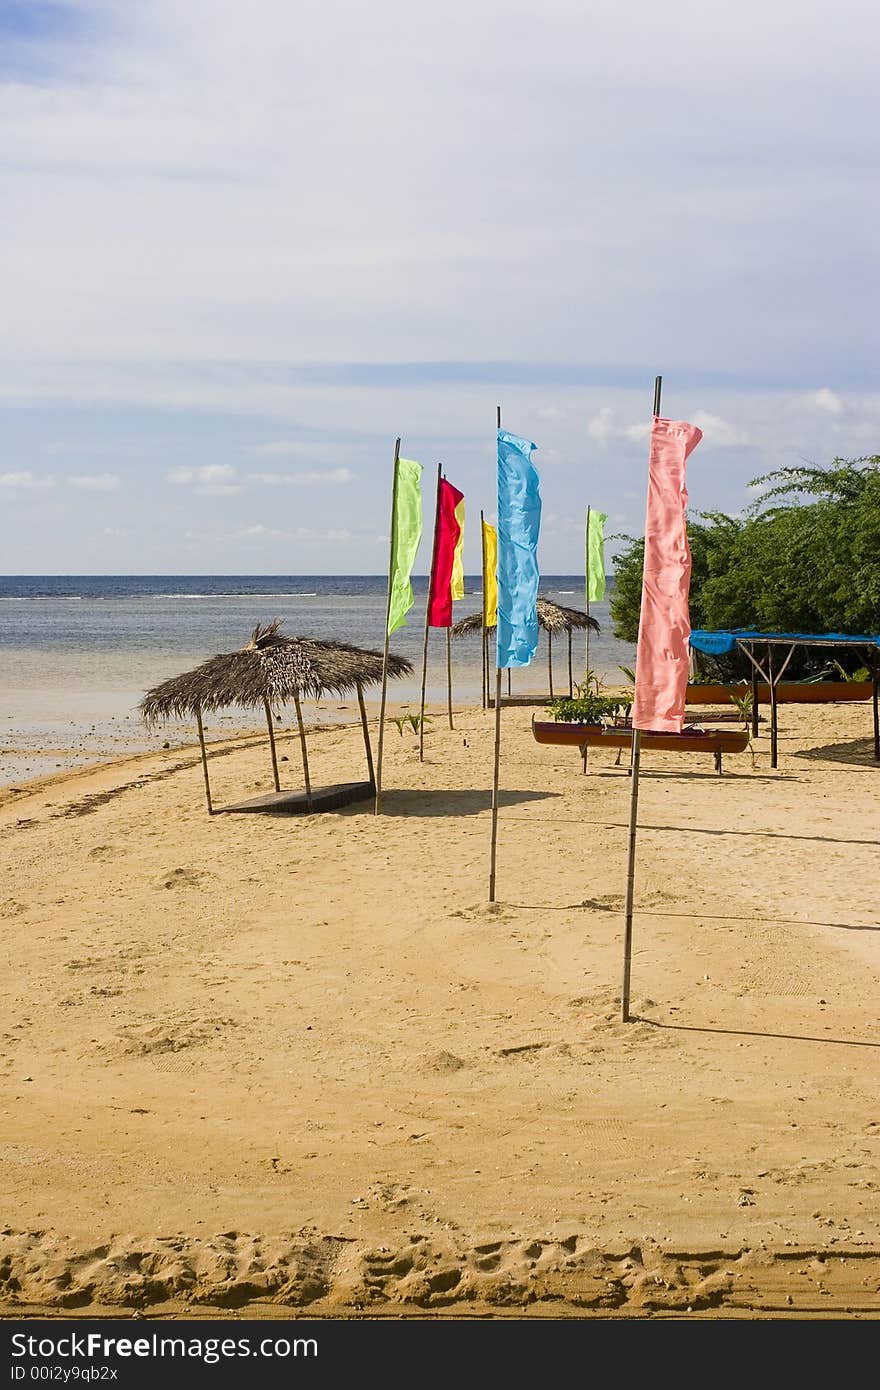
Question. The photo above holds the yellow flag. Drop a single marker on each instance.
(490, 574)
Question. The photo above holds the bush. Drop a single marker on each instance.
(804, 558)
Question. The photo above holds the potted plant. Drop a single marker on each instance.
(588, 706)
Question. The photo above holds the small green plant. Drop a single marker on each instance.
(743, 703)
(589, 705)
(414, 721)
(862, 674)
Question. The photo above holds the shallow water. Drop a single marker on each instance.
(77, 653)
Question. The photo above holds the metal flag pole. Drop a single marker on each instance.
(633, 826)
(385, 650)
(427, 618)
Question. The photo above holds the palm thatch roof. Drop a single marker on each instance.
(271, 667)
(552, 617)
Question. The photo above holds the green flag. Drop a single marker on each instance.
(406, 532)
(595, 555)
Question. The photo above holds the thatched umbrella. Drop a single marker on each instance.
(271, 669)
(553, 618)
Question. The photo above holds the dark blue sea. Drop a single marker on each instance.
(77, 652)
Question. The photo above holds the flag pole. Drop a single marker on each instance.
(449, 674)
(385, 651)
(498, 423)
(497, 760)
(587, 599)
(633, 825)
(484, 662)
(587, 574)
(495, 783)
(427, 617)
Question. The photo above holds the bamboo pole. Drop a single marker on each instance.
(204, 760)
(385, 649)
(484, 661)
(427, 617)
(584, 750)
(570, 675)
(773, 707)
(272, 744)
(633, 826)
(550, 660)
(497, 765)
(498, 690)
(449, 674)
(304, 750)
(366, 728)
(587, 587)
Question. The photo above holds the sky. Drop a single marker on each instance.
(245, 247)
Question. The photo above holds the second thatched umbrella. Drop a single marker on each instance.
(553, 618)
(272, 669)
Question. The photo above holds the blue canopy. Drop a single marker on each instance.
(716, 643)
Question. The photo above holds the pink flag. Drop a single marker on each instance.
(662, 656)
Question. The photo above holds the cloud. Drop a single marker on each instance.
(604, 428)
(826, 400)
(718, 432)
(314, 478)
(25, 480)
(210, 480)
(96, 482)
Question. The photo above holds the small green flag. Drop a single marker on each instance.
(406, 532)
(595, 555)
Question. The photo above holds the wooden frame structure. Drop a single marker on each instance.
(771, 670)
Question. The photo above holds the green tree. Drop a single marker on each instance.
(805, 557)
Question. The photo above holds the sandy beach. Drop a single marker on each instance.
(299, 1065)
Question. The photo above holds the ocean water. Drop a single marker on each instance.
(77, 653)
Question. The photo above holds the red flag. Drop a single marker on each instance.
(448, 535)
(662, 656)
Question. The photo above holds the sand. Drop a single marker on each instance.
(284, 1066)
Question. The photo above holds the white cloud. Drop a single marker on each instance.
(25, 480)
(826, 400)
(96, 482)
(314, 478)
(604, 428)
(717, 431)
(210, 480)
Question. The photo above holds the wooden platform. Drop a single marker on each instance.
(298, 804)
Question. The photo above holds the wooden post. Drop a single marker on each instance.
(205, 755)
(550, 660)
(497, 685)
(754, 701)
(772, 682)
(449, 674)
(385, 650)
(366, 728)
(303, 748)
(427, 615)
(272, 744)
(484, 659)
(587, 591)
(495, 773)
(570, 676)
(877, 713)
(633, 826)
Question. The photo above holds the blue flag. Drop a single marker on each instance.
(519, 519)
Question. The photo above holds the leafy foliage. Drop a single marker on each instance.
(589, 705)
(805, 557)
